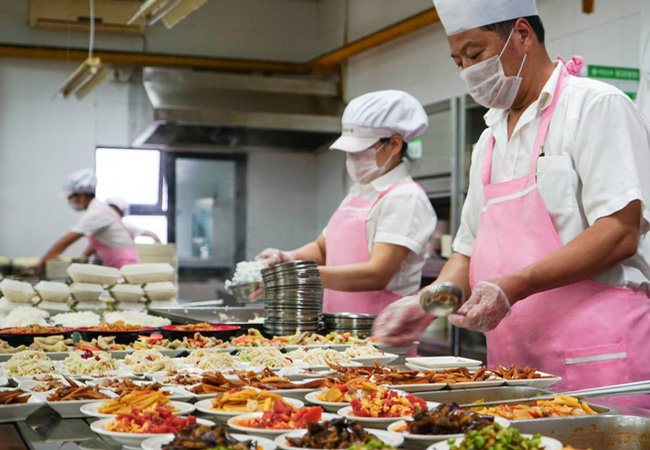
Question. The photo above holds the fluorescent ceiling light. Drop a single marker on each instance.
(170, 12)
(89, 74)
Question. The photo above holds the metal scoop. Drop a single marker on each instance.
(442, 299)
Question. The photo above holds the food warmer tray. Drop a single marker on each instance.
(603, 432)
(464, 396)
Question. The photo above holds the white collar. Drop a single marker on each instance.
(494, 116)
(397, 175)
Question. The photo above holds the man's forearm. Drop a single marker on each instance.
(456, 271)
(602, 246)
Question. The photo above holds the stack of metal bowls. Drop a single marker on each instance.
(294, 297)
(359, 324)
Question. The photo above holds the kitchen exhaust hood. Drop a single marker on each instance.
(197, 109)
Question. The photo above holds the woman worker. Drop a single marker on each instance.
(106, 233)
(553, 244)
(372, 251)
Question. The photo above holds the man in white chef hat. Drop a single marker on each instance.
(103, 227)
(552, 250)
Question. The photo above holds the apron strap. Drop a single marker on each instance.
(396, 186)
(486, 169)
(113, 215)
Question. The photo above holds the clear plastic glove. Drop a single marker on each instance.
(273, 256)
(484, 310)
(401, 323)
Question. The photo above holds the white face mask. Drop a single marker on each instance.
(362, 167)
(488, 84)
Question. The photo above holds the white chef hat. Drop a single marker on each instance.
(82, 181)
(119, 203)
(462, 15)
(379, 115)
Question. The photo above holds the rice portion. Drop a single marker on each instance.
(136, 318)
(23, 316)
(77, 319)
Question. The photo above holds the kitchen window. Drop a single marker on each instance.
(137, 177)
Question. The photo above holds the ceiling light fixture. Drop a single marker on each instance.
(90, 73)
(169, 12)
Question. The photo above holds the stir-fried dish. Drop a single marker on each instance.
(204, 437)
(146, 401)
(246, 401)
(345, 393)
(446, 419)
(283, 417)
(334, 434)
(560, 406)
(13, 397)
(156, 422)
(386, 403)
(495, 437)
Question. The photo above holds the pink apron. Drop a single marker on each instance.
(115, 257)
(347, 243)
(588, 333)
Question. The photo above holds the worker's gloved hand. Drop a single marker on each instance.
(401, 323)
(273, 256)
(484, 310)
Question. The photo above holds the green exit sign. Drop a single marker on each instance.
(625, 78)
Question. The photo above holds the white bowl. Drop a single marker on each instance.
(547, 443)
(156, 443)
(19, 411)
(4, 381)
(205, 406)
(130, 439)
(375, 422)
(428, 439)
(388, 437)
(332, 407)
(91, 409)
(232, 423)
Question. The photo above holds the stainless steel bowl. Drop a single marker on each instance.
(241, 292)
(442, 299)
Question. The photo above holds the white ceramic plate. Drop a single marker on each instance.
(444, 362)
(539, 383)
(375, 422)
(352, 364)
(428, 439)
(121, 373)
(71, 409)
(205, 406)
(547, 444)
(156, 443)
(290, 348)
(298, 373)
(382, 360)
(4, 381)
(298, 394)
(388, 437)
(233, 423)
(20, 411)
(29, 385)
(91, 409)
(332, 407)
(133, 440)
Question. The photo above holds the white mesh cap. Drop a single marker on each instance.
(378, 115)
(82, 181)
(462, 15)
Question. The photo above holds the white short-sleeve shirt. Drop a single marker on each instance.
(402, 217)
(96, 223)
(597, 157)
